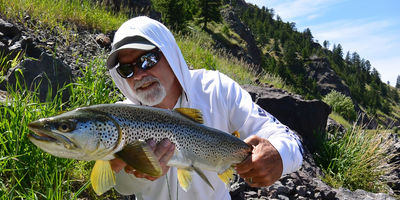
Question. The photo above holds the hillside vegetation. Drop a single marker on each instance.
(28, 172)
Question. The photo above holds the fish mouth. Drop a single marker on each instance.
(40, 134)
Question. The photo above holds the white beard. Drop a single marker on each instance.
(150, 97)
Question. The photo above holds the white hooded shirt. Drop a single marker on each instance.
(224, 106)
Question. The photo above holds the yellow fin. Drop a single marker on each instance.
(191, 113)
(201, 174)
(102, 177)
(236, 134)
(227, 175)
(139, 155)
(184, 178)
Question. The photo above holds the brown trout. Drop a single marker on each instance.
(107, 131)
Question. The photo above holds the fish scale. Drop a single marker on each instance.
(103, 132)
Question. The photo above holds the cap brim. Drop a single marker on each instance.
(141, 44)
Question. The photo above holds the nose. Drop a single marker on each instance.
(138, 74)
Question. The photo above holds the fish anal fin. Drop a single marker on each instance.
(184, 178)
(192, 114)
(102, 177)
(140, 156)
(227, 175)
(236, 134)
(201, 174)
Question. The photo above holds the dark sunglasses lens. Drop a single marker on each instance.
(149, 60)
(145, 62)
(125, 71)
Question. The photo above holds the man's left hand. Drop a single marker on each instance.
(264, 166)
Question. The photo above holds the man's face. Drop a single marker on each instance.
(151, 85)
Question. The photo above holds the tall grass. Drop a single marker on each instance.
(57, 13)
(25, 170)
(356, 160)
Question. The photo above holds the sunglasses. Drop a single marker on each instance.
(145, 62)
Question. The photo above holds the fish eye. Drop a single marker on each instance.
(66, 127)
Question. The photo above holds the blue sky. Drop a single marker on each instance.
(369, 27)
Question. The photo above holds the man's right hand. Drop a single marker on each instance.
(164, 152)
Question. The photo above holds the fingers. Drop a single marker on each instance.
(117, 164)
(264, 166)
(164, 152)
(252, 140)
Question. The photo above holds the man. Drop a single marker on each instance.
(148, 67)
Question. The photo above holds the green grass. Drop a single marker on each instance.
(339, 119)
(356, 159)
(57, 14)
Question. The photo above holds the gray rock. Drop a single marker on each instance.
(306, 117)
(42, 74)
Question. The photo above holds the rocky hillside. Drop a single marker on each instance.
(48, 48)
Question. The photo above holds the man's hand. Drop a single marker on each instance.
(264, 166)
(164, 152)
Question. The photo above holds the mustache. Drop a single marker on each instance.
(144, 80)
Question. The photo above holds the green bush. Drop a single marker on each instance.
(341, 105)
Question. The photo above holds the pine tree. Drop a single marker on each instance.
(398, 82)
(209, 10)
(175, 13)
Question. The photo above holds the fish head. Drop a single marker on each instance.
(79, 134)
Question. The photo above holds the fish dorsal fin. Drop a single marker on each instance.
(102, 177)
(227, 175)
(192, 114)
(140, 156)
(236, 134)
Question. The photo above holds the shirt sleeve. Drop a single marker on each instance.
(248, 119)
(128, 184)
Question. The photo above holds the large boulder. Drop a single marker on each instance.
(306, 117)
(44, 74)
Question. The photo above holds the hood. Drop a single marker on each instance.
(160, 36)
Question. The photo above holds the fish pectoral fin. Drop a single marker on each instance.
(227, 175)
(102, 177)
(236, 134)
(140, 156)
(184, 178)
(192, 114)
(201, 174)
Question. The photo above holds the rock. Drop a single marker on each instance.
(346, 194)
(103, 40)
(9, 30)
(306, 117)
(47, 72)
(251, 52)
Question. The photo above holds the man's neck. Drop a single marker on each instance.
(171, 99)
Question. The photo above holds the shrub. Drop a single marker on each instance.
(341, 105)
